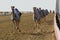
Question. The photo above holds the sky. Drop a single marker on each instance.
(27, 5)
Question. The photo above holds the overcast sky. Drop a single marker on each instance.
(27, 5)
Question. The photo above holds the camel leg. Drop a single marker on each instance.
(37, 27)
(17, 26)
(13, 23)
(36, 24)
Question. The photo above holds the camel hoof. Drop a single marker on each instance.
(19, 30)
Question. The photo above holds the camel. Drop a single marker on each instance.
(15, 17)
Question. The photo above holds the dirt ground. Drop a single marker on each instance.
(45, 30)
